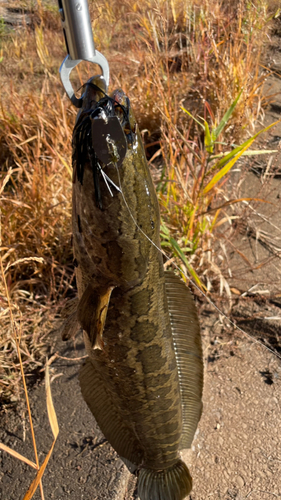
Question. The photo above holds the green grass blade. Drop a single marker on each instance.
(227, 115)
(164, 231)
(181, 255)
(209, 145)
(234, 155)
(193, 118)
(236, 150)
(223, 171)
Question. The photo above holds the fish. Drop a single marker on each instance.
(143, 377)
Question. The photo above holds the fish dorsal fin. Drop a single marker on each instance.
(92, 311)
(101, 401)
(188, 350)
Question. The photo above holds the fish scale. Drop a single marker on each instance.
(143, 377)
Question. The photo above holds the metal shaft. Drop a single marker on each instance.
(77, 27)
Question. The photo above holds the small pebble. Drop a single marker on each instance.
(240, 481)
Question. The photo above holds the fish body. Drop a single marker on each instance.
(144, 373)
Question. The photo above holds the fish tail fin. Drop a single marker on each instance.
(174, 483)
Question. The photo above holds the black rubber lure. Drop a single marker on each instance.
(101, 135)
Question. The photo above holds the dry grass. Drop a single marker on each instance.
(165, 54)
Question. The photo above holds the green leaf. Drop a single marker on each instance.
(164, 230)
(197, 121)
(239, 148)
(191, 271)
(226, 117)
(213, 136)
(209, 145)
(232, 153)
(233, 156)
(223, 171)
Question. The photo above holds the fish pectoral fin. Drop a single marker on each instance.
(188, 350)
(104, 405)
(92, 312)
(101, 314)
(70, 326)
(69, 308)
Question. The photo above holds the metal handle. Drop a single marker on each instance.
(68, 65)
(79, 41)
(76, 23)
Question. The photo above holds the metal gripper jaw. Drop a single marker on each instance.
(80, 45)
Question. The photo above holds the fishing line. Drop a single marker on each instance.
(108, 181)
(255, 341)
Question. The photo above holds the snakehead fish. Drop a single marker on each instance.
(144, 373)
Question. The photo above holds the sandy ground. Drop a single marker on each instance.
(236, 453)
(237, 449)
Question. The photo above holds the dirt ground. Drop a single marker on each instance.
(236, 453)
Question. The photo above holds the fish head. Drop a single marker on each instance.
(115, 208)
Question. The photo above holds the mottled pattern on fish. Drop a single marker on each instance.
(138, 368)
(143, 379)
(108, 239)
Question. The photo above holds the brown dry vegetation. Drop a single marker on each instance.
(164, 54)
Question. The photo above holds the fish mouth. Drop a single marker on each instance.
(104, 131)
(98, 105)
